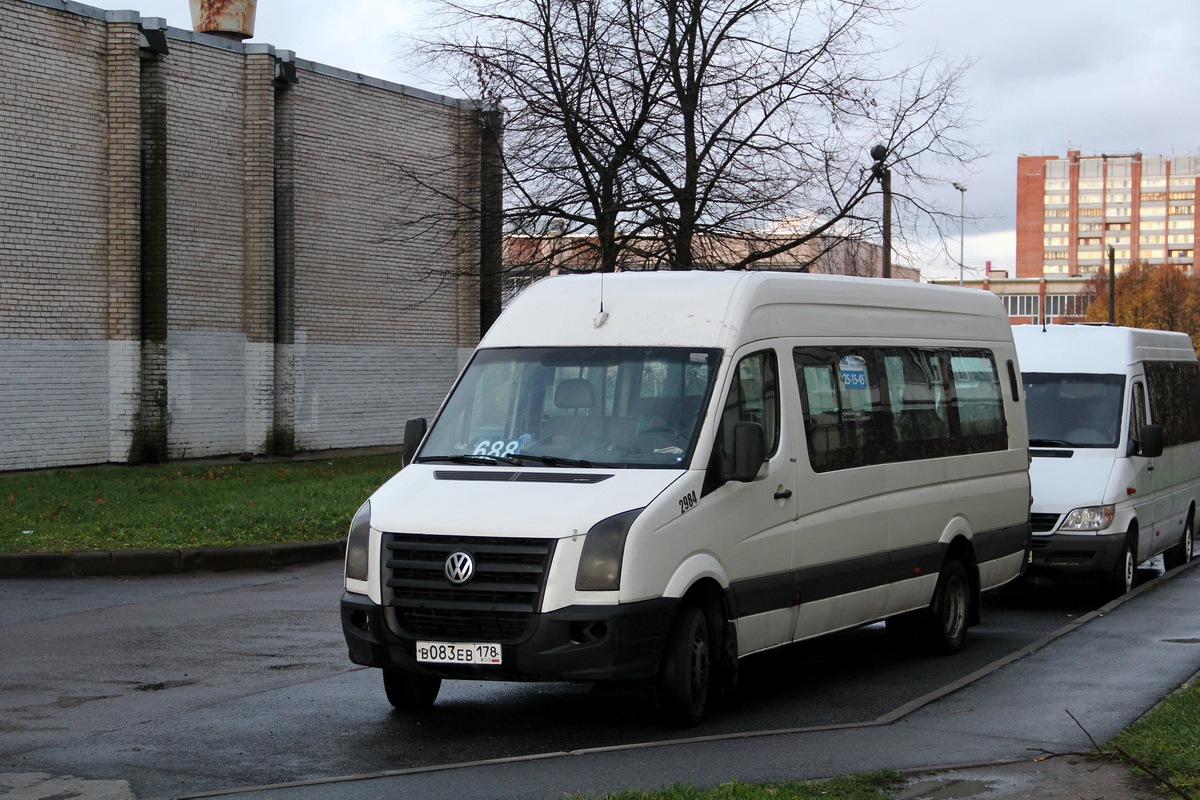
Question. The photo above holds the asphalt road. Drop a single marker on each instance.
(184, 684)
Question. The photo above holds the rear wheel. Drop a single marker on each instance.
(683, 680)
(1181, 553)
(406, 691)
(945, 627)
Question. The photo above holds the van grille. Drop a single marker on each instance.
(1043, 523)
(495, 605)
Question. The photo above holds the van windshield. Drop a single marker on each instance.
(1073, 410)
(578, 406)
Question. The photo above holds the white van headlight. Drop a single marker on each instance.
(358, 544)
(603, 550)
(1092, 518)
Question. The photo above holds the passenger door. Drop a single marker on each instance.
(1146, 475)
(756, 517)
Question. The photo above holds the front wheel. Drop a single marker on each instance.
(1181, 553)
(1120, 580)
(409, 692)
(681, 691)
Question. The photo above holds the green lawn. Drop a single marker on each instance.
(185, 505)
(1167, 740)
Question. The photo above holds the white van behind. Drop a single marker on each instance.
(644, 477)
(1114, 427)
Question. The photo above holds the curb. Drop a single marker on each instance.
(167, 561)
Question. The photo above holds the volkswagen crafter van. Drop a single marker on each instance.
(1114, 427)
(644, 477)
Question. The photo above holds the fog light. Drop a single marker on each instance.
(361, 620)
(589, 632)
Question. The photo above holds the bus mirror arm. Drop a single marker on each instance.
(749, 451)
(1151, 445)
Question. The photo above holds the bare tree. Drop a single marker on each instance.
(681, 133)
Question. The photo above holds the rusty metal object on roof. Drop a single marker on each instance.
(233, 19)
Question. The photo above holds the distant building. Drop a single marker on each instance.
(1033, 301)
(1071, 210)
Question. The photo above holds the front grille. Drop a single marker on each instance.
(495, 605)
(1043, 523)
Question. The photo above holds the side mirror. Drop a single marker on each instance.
(749, 451)
(1152, 441)
(414, 432)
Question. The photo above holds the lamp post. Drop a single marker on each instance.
(880, 171)
(962, 205)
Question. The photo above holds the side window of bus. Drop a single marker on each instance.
(876, 405)
(1174, 398)
(979, 397)
(753, 397)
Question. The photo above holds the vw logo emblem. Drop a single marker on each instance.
(460, 568)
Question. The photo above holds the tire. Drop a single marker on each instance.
(682, 686)
(1181, 553)
(409, 692)
(1120, 580)
(946, 621)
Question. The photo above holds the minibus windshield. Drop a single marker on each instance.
(1073, 410)
(575, 406)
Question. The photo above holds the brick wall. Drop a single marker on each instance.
(198, 258)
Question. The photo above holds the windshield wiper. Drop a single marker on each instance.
(1049, 443)
(558, 461)
(471, 459)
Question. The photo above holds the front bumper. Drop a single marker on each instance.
(1081, 555)
(578, 643)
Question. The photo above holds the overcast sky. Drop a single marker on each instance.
(1102, 76)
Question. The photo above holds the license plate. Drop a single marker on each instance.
(458, 653)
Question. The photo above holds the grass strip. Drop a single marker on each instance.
(185, 505)
(1167, 739)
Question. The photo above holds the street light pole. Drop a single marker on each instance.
(962, 206)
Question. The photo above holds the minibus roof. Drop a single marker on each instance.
(729, 308)
(1096, 349)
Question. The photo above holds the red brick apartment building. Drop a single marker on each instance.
(1071, 210)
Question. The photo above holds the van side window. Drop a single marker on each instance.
(979, 400)
(1137, 413)
(753, 397)
(1174, 388)
(878, 405)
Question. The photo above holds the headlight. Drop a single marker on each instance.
(603, 550)
(358, 544)
(1092, 518)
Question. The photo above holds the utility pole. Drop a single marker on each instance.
(880, 171)
(1112, 285)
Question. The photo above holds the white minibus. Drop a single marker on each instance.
(644, 477)
(1114, 428)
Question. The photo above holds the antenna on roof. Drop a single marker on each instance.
(602, 317)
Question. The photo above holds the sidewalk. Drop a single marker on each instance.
(165, 560)
(1104, 670)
